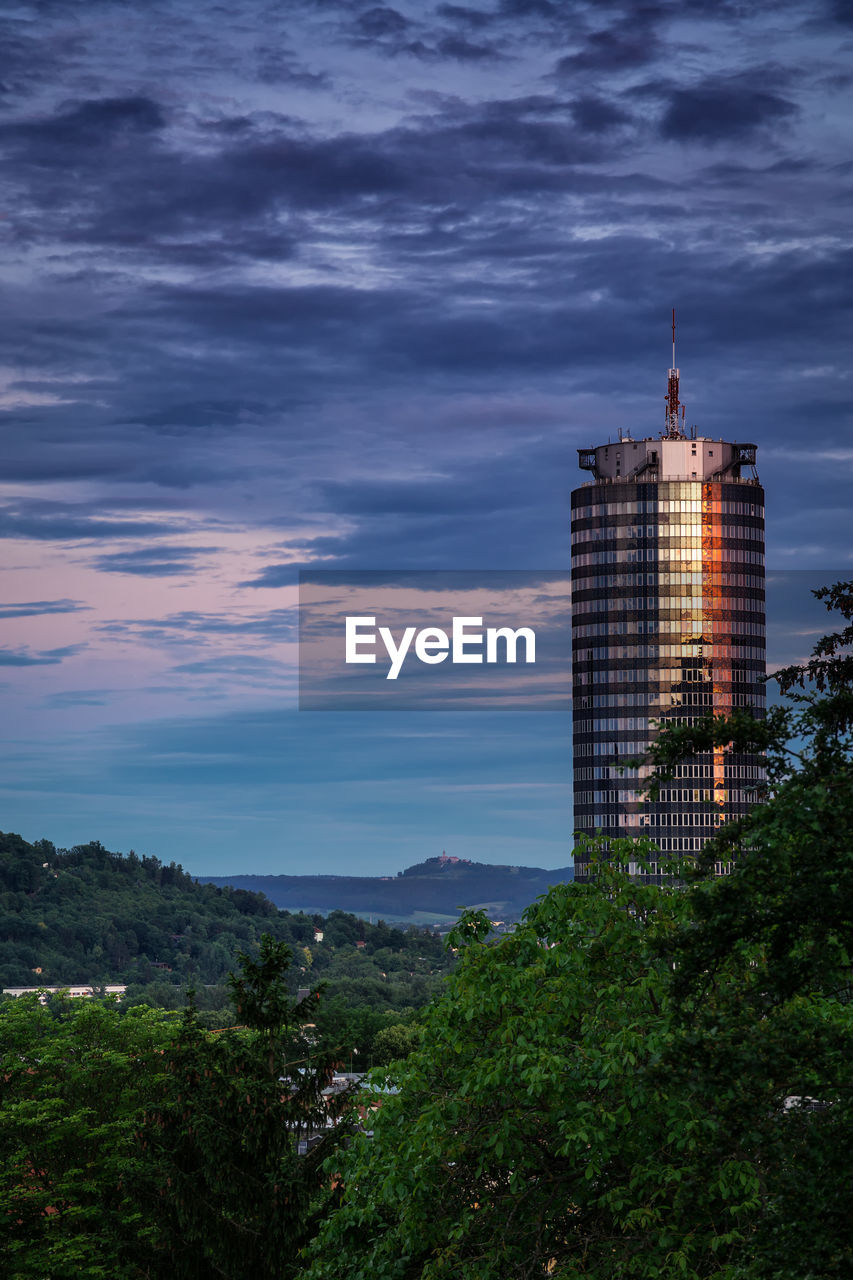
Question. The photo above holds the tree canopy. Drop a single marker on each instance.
(91, 915)
(145, 1147)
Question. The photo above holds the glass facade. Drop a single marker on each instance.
(668, 623)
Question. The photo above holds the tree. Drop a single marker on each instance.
(230, 1190)
(395, 1041)
(77, 1079)
(137, 1147)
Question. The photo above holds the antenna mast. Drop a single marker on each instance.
(674, 430)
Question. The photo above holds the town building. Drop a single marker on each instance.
(75, 991)
(668, 623)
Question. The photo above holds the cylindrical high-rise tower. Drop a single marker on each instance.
(668, 623)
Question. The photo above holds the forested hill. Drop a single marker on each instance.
(91, 916)
(436, 888)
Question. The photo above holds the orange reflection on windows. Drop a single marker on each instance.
(717, 626)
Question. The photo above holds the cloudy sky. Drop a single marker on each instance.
(346, 285)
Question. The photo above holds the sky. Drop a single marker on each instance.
(345, 286)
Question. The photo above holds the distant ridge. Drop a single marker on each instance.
(437, 887)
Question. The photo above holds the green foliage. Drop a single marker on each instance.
(368, 990)
(77, 1080)
(143, 1146)
(396, 1041)
(526, 1120)
(88, 915)
(231, 1195)
(353, 1034)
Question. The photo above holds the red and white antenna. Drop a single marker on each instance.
(674, 428)
(673, 337)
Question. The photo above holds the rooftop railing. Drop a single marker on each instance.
(655, 478)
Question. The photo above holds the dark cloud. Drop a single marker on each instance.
(840, 12)
(35, 608)
(158, 561)
(381, 21)
(58, 139)
(286, 574)
(281, 67)
(386, 31)
(486, 149)
(46, 658)
(67, 522)
(37, 56)
(457, 47)
(211, 415)
(464, 15)
(153, 199)
(70, 698)
(390, 32)
(528, 8)
(250, 201)
(274, 625)
(508, 138)
(597, 115)
(414, 524)
(235, 664)
(633, 43)
(717, 110)
(439, 496)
